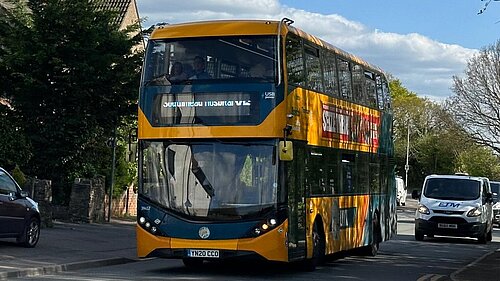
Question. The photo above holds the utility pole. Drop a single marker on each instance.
(407, 166)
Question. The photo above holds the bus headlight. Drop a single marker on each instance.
(264, 226)
(142, 220)
(151, 227)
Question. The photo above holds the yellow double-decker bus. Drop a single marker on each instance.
(258, 139)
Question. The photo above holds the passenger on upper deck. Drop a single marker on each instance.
(177, 73)
(199, 69)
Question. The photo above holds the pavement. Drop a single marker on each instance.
(485, 268)
(69, 246)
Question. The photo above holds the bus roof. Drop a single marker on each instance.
(246, 27)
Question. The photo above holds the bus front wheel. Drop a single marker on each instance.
(318, 238)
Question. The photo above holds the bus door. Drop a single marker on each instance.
(295, 174)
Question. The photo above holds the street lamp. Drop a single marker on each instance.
(113, 144)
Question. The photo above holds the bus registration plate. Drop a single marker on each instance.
(447, 225)
(203, 253)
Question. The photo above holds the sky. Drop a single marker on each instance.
(422, 43)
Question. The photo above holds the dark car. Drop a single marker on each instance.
(19, 214)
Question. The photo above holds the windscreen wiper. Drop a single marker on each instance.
(202, 178)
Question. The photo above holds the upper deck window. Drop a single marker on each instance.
(295, 60)
(345, 78)
(313, 66)
(358, 83)
(330, 73)
(238, 58)
(371, 89)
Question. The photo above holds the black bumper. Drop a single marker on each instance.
(474, 229)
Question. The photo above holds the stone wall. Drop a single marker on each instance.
(87, 200)
(41, 192)
(88, 203)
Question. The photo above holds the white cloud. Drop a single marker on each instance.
(423, 65)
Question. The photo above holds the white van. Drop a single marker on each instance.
(401, 189)
(454, 205)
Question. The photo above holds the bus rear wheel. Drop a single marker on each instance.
(372, 249)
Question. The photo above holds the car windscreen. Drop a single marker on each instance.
(452, 189)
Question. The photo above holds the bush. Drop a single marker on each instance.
(19, 176)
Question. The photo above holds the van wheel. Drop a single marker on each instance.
(483, 238)
(419, 235)
(31, 233)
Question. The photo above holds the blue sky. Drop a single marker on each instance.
(423, 43)
(447, 21)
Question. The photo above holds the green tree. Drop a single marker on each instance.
(14, 146)
(479, 161)
(74, 77)
(434, 141)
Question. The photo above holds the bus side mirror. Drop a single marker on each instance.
(286, 151)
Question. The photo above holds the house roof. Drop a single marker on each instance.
(120, 6)
(4, 6)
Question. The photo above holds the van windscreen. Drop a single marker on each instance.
(452, 189)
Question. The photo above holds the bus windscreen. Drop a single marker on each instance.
(211, 180)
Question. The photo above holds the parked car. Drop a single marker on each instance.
(19, 214)
(402, 193)
(495, 188)
(455, 205)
